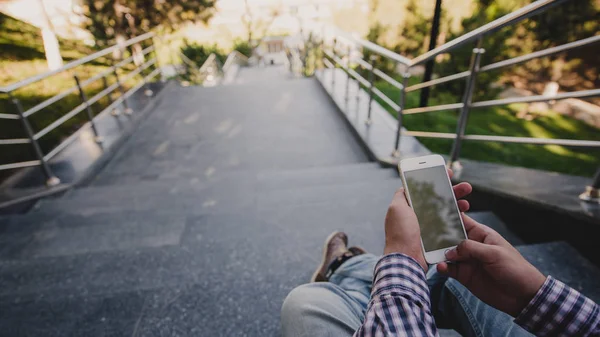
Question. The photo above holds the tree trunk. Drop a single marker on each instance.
(51, 46)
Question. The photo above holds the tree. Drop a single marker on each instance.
(413, 32)
(110, 20)
(573, 70)
(51, 47)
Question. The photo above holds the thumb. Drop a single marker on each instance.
(472, 250)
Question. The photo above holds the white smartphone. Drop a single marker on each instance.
(429, 192)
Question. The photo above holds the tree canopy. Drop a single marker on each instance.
(109, 19)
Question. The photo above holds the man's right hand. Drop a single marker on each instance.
(492, 269)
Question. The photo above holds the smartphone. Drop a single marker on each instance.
(429, 192)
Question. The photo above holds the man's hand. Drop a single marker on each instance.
(402, 233)
(492, 269)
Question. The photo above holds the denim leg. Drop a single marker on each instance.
(455, 307)
(334, 308)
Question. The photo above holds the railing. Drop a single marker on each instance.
(212, 69)
(33, 137)
(340, 53)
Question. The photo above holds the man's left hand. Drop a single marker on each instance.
(402, 233)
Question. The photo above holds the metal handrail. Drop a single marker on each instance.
(470, 75)
(86, 103)
(73, 64)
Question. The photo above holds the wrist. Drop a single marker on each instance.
(530, 290)
(416, 254)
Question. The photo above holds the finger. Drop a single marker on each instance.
(475, 230)
(447, 269)
(482, 233)
(463, 205)
(399, 199)
(473, 250)
(462, 190)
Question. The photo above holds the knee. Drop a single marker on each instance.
(299, 300)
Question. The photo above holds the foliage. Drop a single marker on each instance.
(413, 33)
(495, 49)
(502, 121)
(108, 19)
(576, 69)
(243, 47)
(382, 63)
(199, 53)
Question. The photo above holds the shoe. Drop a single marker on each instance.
(357, 251)
(335, 247)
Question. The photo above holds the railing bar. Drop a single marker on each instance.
(425, 134)
(541, 53)
(328, 63)
(96, 77)
(438, 81)
(433, 108)
(538, 98)
(123, 62)
(102, 93)
(359, 78)
(363, 63)
(19, 165)
(511, 18)
(75, 63)
(375, 48)
(138, 70)
(14, 141)
(65, 143)
(531, 140)
(59, 121)
(49, 101)
(387, 78)
(386, 99)
(508, 139)
(118, 101)
(9, 116)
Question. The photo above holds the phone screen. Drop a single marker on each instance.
(432, 200)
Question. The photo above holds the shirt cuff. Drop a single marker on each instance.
(401, 275)
(557, 309)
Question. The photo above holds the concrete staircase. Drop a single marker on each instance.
(204, 221)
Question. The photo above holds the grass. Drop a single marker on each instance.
(23, 57)
(502, 121)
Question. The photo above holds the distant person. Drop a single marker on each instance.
(488, 290)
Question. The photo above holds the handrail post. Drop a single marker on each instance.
(347, 97)
(334, 67)
(358, 86)
(115, 112)
(88, 109)
(464, 113)
(372, 58)
(592, 192)
(51, 179)
(128, 110)
(401, 103)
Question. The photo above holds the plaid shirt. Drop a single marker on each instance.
(400, 305)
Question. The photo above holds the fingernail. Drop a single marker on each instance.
(450, 253)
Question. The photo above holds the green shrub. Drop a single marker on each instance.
(243, 47)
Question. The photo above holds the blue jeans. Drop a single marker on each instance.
(337, 307)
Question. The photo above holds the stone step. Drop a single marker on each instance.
(58, 249)
(208, 197)
(272, 179)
